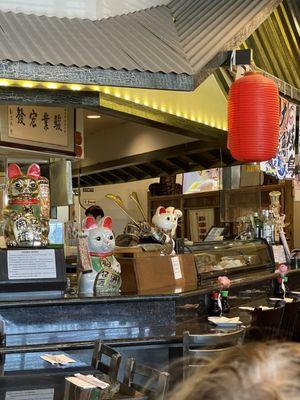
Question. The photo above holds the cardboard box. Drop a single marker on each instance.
(154, 272)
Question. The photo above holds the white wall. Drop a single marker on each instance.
(126, 139)
(123, 190)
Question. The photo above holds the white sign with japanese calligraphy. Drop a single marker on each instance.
(38, 124)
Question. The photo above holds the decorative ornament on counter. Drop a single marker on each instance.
(101, 272)
(225, 283)
(280, 283)
(279, 220)
(165, 222)
(141, 232)
(26, 217)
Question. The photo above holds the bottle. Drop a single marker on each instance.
(268, 227)
(279, 289)
(257, 226)
(285, 279)
(214, 309)
(224, 301)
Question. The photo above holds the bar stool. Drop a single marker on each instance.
(198, 350)
(265, 325)
(289, 321)
(147, 380)
(112, 357)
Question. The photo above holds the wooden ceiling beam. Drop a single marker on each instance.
(174, 151)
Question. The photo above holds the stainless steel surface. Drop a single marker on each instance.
(181, 37)
(61, 183)
(144, 40)
(276, 43)
(207, 27)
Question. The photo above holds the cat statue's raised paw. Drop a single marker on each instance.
(101, 272)
(24, 223)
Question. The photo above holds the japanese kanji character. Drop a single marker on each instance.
(33, 117)
(20, 115)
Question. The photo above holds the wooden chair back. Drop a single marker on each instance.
(265, 325)
(289, 321)
(112, 357)
(147, 380)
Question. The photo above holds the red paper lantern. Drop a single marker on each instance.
(253, 118)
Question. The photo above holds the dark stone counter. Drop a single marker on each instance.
(74, 322)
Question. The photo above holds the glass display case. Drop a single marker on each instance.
(234, 258)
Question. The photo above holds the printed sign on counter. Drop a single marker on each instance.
(176, 268)
(279, 254)
(31, 264)
(39, 394)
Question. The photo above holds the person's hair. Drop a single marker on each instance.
(94, 211)
(257, 371)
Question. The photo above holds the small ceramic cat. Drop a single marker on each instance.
(25, 226)
(105, 273)
(165, 220)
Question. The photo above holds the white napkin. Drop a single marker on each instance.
(57, 359)
(224, 320)
(80, 383)
(286, 299)
(91, 380)
(264, 308)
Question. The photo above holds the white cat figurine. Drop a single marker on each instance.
(166, 220)
(104, 272)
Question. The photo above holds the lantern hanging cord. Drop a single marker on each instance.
(284, 87)
(232, 60)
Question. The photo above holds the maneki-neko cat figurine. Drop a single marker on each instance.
(26, 216)
(101, 272)
(165, 222)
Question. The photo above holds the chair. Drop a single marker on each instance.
(103, 353)
(265, 325)
(198, 350)
(289, 320)
(147, 380)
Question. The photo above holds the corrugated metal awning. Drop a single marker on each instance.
(182, 38)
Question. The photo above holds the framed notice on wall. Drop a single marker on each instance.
(48, 129)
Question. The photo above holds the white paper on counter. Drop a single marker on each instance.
(57, 359)
(176, 268)
(279, 254)
(93, 380)
(80, 383)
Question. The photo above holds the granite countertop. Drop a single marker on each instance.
(187, 320)
(164, 293)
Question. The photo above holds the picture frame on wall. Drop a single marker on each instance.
(200, 222)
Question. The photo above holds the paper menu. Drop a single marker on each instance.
(57, 359)
(31, 264)
(87, 381)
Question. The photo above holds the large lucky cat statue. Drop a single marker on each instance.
(101, 270)
(26, 224)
